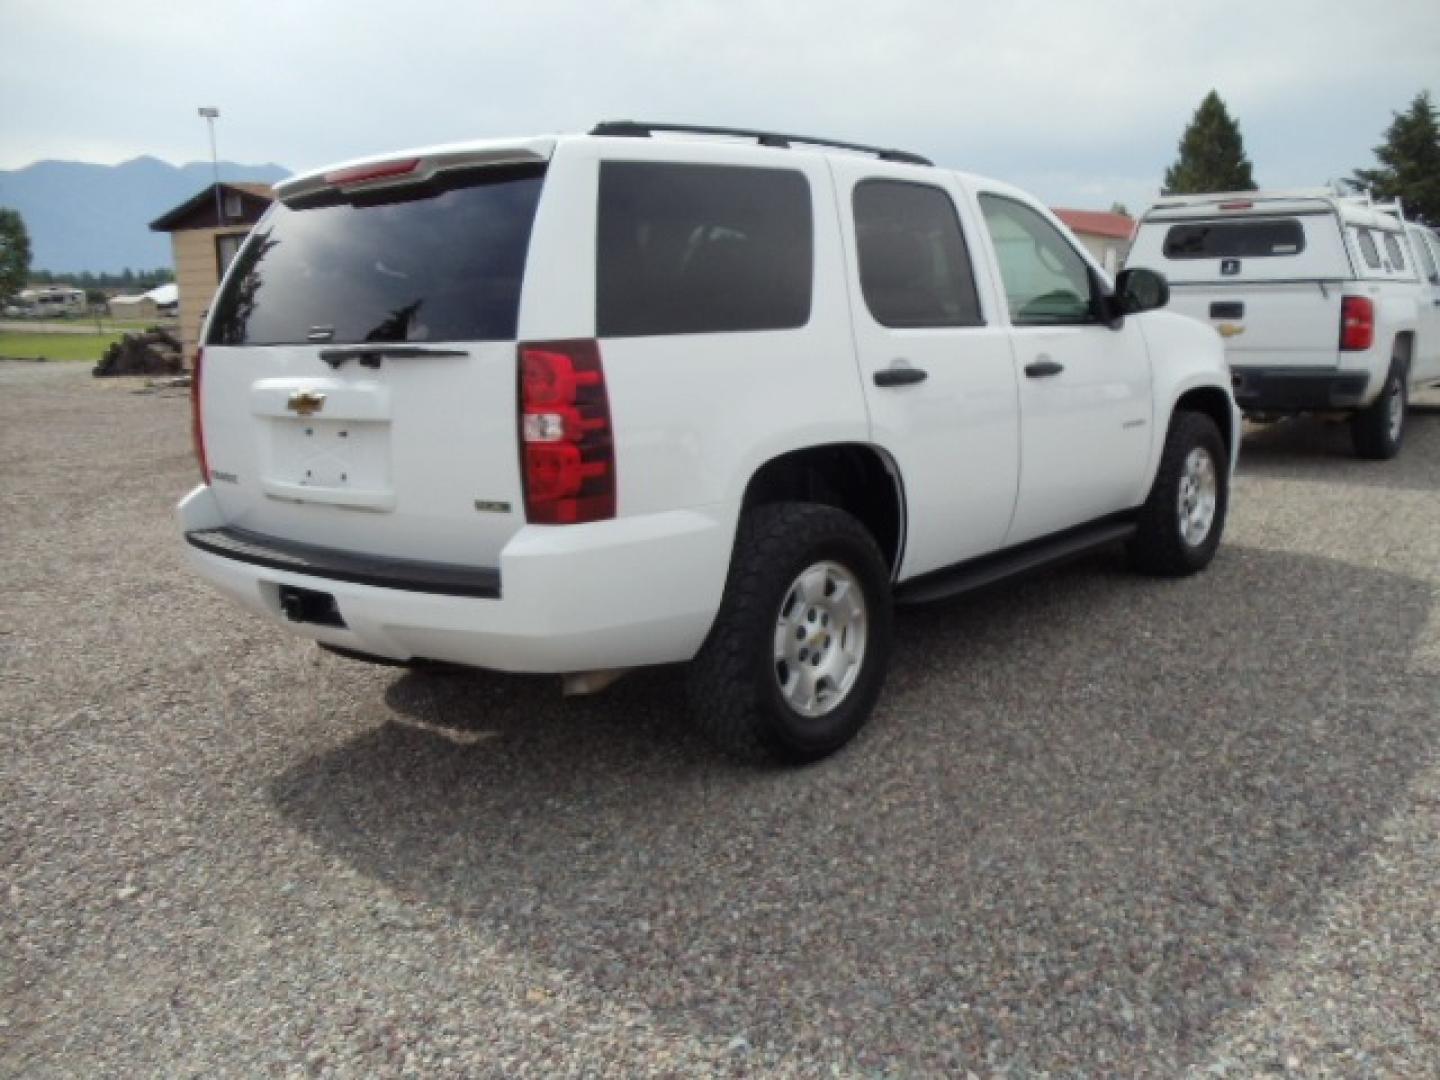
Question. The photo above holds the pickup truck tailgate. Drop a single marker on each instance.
(1268, 324)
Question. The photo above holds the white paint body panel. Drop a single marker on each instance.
(637, 590)
(1425, 248)
(955, 436)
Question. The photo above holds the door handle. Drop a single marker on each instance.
(900, 376)
(1042, 369)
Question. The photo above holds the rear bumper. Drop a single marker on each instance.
(621, 593)
(1281, 390)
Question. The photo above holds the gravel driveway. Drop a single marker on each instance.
(1101, 825)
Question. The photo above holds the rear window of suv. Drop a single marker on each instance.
(1247, 239)
(696, 249)
(441, 261)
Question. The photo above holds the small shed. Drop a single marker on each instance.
(132, 307)
(1105, 234)
(205, 233)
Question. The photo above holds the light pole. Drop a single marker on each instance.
(211, 114)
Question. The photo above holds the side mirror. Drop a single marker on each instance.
(1141, 289)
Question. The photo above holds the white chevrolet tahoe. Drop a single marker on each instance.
(1328, 303)
(577, 404)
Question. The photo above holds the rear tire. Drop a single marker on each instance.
(797, 656)
(1180, 525)
(1378, 430)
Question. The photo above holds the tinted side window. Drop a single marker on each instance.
(1249, 239)
(1392, 249)
(914, 267)
(1046, 280)
(698, 249)
(1368, 249)
(441, 261)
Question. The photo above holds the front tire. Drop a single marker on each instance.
(1378, 430)
(797, 656)
(1179, 527)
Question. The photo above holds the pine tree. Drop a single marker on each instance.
(1212, 154)
(1409, 161)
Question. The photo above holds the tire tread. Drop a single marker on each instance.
(1157, 547)
(727, 688)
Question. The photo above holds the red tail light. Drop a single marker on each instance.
(567, 449)
(1357, 323)
(197, 426)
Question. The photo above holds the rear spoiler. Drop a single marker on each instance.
(412, 167)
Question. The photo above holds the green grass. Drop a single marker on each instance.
(87, 347)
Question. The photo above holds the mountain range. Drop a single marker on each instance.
(82, 216)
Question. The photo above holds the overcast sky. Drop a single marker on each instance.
(1080, 102)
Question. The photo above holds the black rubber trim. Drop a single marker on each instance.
(442, 579)
(1210, 283)
(643, 129)
(1176, 215)
(987, 570)
(1282, 389)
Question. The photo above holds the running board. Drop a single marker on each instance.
(1013, 562)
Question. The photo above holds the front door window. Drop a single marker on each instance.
(1047, 283)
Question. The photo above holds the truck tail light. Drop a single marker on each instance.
(197, 425)
(567, 444)
(1357, 323)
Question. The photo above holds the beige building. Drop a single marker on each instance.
(205, 237)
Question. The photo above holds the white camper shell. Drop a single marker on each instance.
(1324, 300)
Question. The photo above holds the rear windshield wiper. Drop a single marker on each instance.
(371, 355)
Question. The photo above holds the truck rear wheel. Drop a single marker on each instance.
(1378, 429)
(797, 656)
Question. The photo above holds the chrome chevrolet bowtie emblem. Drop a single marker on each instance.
(305, 402)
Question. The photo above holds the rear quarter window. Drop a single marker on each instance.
(1392, 249)
(442, 261)
(696, 249)
(1240, 239)
(1368, 251)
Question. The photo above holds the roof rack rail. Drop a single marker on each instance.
(640, 129)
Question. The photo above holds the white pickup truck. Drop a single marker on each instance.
(1327, 302)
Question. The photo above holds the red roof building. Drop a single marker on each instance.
(1106, 235)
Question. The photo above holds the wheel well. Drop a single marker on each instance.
(848, 476)
(1213, 402)
(1404, 346)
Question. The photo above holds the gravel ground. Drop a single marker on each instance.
(1100, 825)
